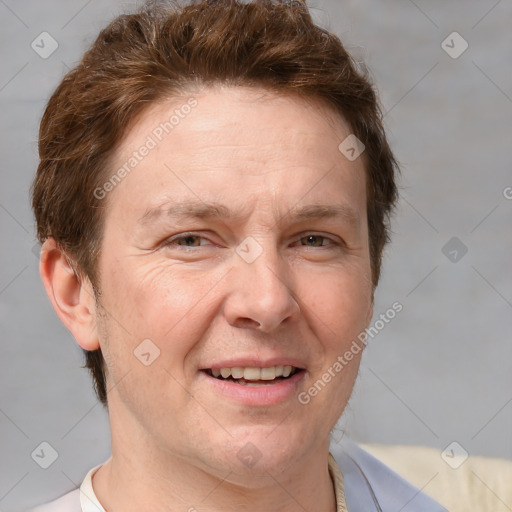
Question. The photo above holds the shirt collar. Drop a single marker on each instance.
(337, 480)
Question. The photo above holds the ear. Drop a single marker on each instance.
(72, 299)
(369, 314)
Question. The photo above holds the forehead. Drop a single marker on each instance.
(248, 117)
(224, 138)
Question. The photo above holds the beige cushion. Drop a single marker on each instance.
(482, 484)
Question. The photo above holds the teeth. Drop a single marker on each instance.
(251, 373)
(267, 373)
(237, 372)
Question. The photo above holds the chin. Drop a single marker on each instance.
(265, 450)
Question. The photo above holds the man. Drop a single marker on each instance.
(213, 200)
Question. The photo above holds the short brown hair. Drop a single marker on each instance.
(163, 50)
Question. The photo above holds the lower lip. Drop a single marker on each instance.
(261, 395)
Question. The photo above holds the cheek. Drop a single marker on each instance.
(161, 301)
(340, 299)
(340, 306)
(145, 292)
(171, 294)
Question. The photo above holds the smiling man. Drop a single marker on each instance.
(213, 200)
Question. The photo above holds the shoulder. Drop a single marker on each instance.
(460, 483)
(81, 499)
(371, 485)
(70, 502)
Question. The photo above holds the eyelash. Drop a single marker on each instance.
(171, 241)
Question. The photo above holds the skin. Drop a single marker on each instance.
(174, 440)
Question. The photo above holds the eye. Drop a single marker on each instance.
(186, 241)
(190, 241)
(316, 241)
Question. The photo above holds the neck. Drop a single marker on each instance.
(144, 478)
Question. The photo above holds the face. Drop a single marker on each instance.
(238, 240)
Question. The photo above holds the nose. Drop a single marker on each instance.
(260, 293)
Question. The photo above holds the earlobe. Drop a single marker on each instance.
(369, 314)
(72, 299)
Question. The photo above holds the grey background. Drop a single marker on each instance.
(441, 371)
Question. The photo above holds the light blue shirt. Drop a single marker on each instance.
(370, 486)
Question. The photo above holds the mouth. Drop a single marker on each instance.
(254, 376)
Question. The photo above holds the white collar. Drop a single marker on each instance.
(88, 500)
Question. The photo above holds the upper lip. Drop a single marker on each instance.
(254, 362)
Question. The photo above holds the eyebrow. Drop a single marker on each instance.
(324, 211)
(202, 210)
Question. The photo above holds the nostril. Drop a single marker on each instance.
(247, 323)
